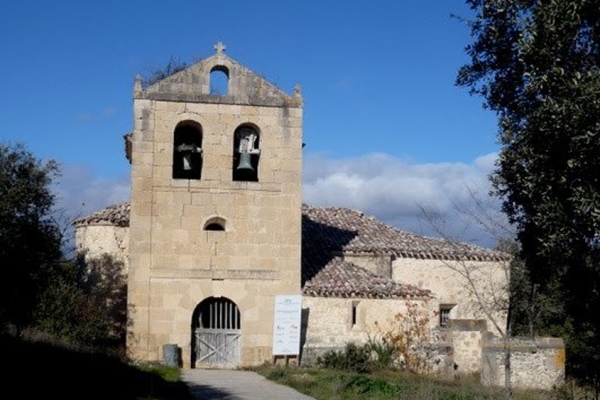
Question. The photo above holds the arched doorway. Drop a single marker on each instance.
(216, 330)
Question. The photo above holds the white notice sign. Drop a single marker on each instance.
(286, 332)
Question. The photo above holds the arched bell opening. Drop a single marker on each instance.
(246, 153)
(187, 150)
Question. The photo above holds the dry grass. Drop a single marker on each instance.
(387, 385)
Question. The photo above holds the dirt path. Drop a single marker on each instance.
(236, 385)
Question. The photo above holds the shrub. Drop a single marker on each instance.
(353, 358)
(407, 343)
(87, 305)
(383, 352)
(158, 74)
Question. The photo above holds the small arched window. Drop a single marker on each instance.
(246, 153)
(219, 81)
(215, 224)
(187, 150)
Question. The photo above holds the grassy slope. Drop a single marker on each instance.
(387, 385)
(41, 371)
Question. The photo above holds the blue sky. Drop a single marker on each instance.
(386, 129)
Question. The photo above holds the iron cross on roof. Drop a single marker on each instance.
(219, 47)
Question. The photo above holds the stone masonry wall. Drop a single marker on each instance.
(327, 322)
(535, 364)
(376, 263)
(446, 280)
(96, 240)
(466, 337)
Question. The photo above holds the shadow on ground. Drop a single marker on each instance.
(38, 370)
(210, 393)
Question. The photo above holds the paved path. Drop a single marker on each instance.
(208, 384)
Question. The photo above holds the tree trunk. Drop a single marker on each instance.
(507, 369)
(507, 382)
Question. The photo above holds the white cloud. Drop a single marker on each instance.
(392, 189)
(398, 191)
(95, 116)
(79, 192)
(109, 111)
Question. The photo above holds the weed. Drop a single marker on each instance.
(383, 351)
(353, 358)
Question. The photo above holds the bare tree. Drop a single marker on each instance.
(489, 286)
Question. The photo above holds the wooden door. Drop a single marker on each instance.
(217, 334)
(217, 348)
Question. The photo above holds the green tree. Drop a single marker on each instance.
(536, 64)
(86, 304)
(29, 238)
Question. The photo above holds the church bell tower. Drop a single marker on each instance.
(215, 226)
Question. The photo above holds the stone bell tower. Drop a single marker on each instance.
(215, 226)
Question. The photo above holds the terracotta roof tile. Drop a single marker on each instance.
(344, 279)
(116, 214)
(343, 229)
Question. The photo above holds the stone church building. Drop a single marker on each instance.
(216, 231)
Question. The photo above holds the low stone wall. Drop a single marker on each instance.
(535, 363)
(440, 356)
(466, 340)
